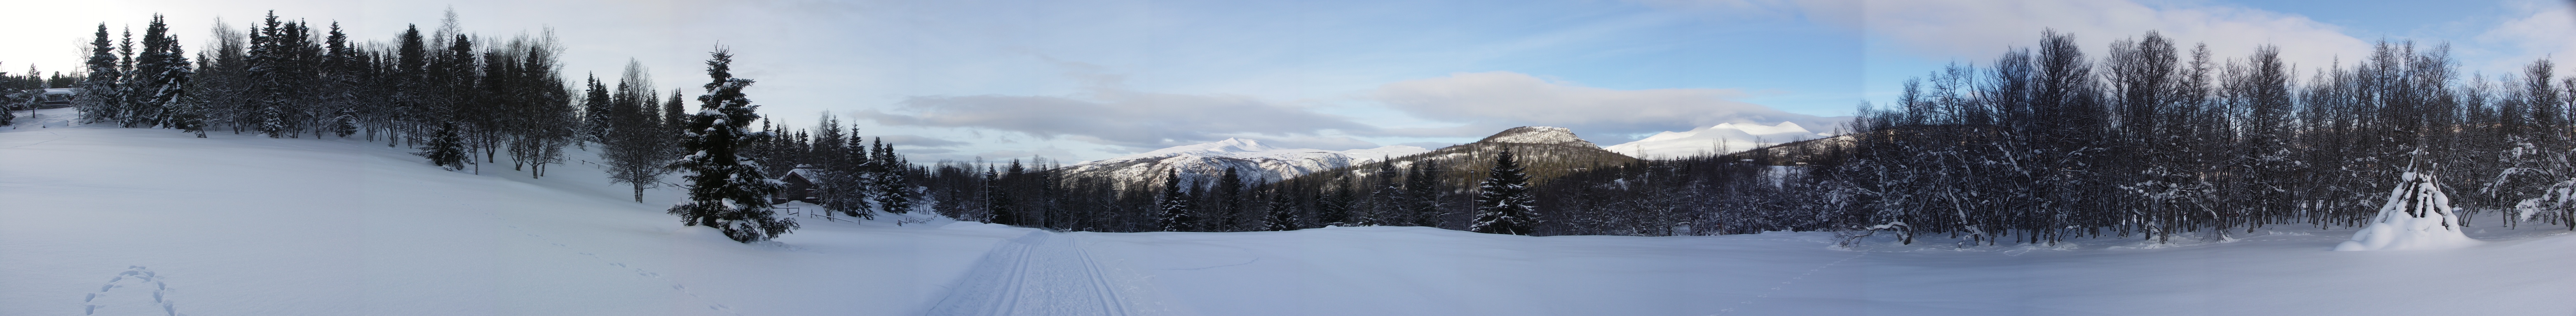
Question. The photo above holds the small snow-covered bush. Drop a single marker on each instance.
(2417, 216)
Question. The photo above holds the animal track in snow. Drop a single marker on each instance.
(136, 277)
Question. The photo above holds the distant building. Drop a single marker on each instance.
(45, 99)
(58, 98)
(800, 186)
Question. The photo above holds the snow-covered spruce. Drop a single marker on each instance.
(1504, 205)
(2417, 216)
(1173, 206)
(726, 189)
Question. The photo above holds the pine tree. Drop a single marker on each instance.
(997, 200)
(842, 184)
(1422, 182)
(726, 189)
(597, 110)
(1504, 205)
(100, 91)
(675, 113)
(1229, 193)
(1173, 207)
(123, 103)
(267, 73)
(163, 72)
(1283, 212)
(446, 147)
(892, 175)
(1386, 204)
(1333, 207)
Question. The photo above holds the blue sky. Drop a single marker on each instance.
(1082, 80)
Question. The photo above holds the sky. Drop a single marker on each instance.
(1083, 80)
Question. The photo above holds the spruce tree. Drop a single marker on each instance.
(1333, 208)
(1386, 200)
(674, 112)
(997, 200)
(1173, 206)
(1283, 212)
(726, 189)
(1229, 193)
(891, 173)
(163, 72)
(100, 91)
(597, 110)
(446, 147)
(267, 73)
(1504, 205)
(841, 158)
(1423, 182)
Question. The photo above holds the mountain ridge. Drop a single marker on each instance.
(1716, 140)
(1256, 162)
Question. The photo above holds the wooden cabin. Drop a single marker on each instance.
(800, 186)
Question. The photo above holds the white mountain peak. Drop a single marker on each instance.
(1538, 135)
(1719, 139)
(1265, 163)
(1229, 145)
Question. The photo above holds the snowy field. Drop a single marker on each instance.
(107, 221)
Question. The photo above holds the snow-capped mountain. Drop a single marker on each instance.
(1255, 162)
(1720, 139)
(1543, 152)
(1538, 135)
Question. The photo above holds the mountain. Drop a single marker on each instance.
(1719, 139)
(1256, 162)
(1544, 152)
(1548, 135)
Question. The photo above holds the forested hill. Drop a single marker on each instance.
(2148, 140)
(1437, 188)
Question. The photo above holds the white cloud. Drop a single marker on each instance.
(1978, 30)
(1488, 102)
(2536, 30)
(1118, 117)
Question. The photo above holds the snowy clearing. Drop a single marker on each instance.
(107, 221)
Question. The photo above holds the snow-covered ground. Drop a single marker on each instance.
(107, 221)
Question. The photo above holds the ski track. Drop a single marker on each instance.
(1040, 273)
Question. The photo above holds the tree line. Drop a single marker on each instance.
(2151, 139)
(464, 100)
(2148, 140)
(2042, 144)
(1470, 187)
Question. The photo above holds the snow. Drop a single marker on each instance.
(1538, 135)
(108, 221)
(1719, 139)
(2417, 216)
(1246, 148)
(1259, 162)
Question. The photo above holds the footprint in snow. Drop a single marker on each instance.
(138, 278)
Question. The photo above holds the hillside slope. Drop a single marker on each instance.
(104, 221)
(1254, 161)
(1711, 140)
